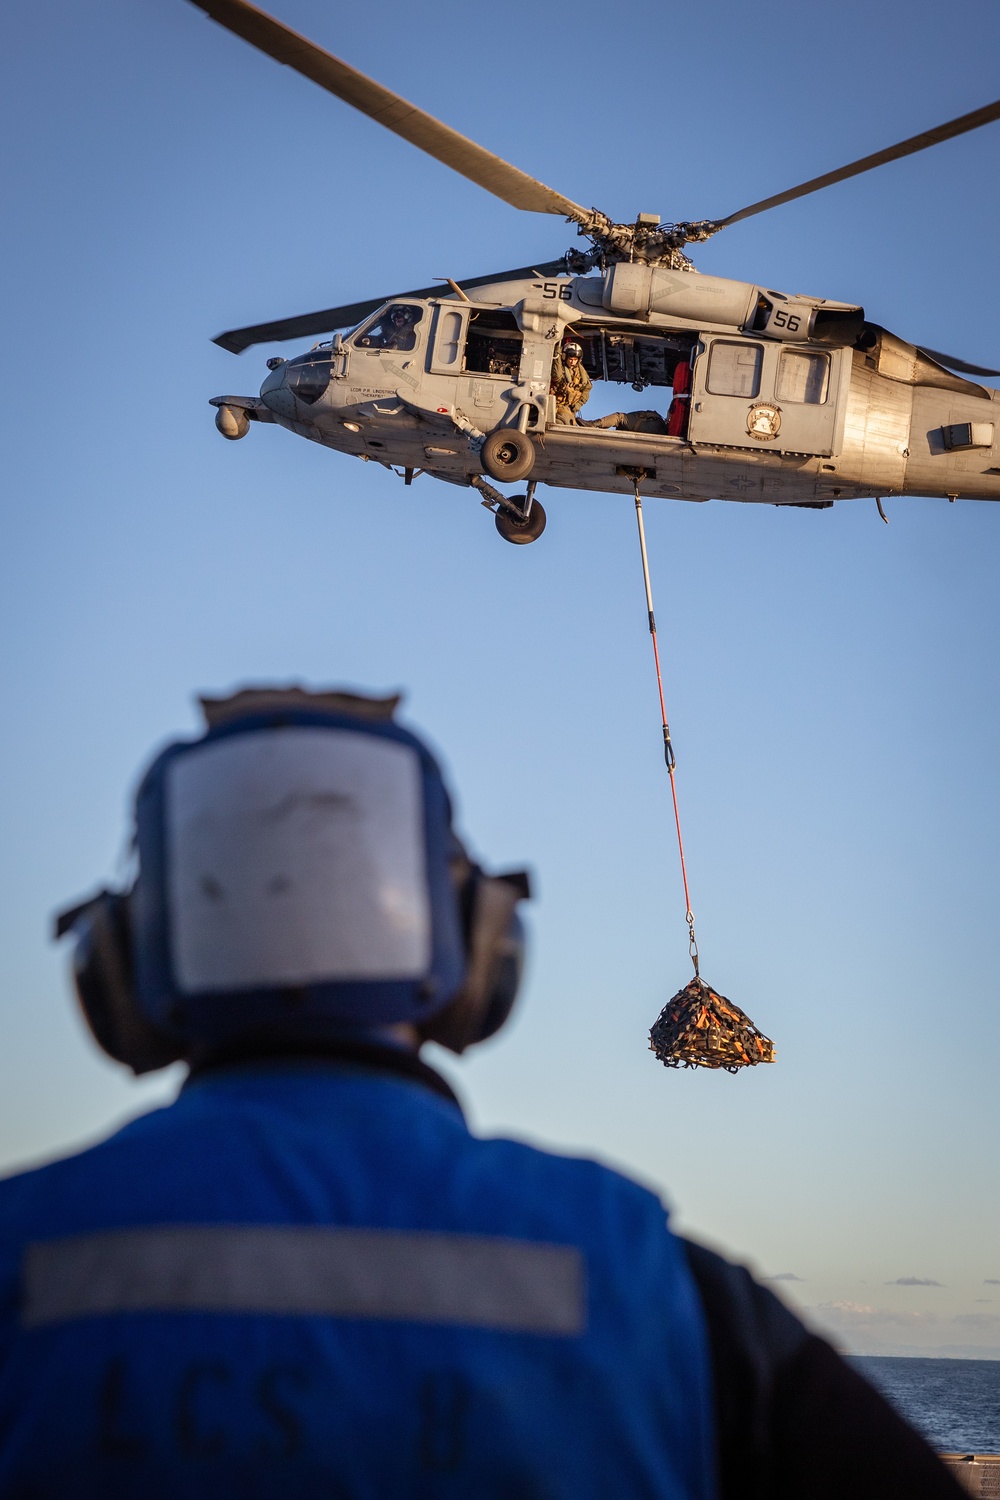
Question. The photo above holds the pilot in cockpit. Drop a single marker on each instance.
(395, 330)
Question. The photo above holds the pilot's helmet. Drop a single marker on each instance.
(400, 317)
(572, 351)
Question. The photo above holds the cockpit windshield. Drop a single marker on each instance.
(394, 328)
(308, 375)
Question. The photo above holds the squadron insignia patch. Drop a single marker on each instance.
(763, 422)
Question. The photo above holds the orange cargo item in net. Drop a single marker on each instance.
(699, 1028)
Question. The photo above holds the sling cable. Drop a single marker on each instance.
(697, 1028)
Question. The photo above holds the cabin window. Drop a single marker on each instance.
(734, 369)
(803, 377)
(448, 347)
(493, 345)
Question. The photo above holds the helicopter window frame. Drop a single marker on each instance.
(810, 391)
(726, 376)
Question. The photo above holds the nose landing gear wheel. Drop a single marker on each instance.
(513, 530)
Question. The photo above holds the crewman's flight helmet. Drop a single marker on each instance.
(298, 879)
(569, 350)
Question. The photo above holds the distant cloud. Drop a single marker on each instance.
(913, 1281)
(851, 1315)
(979, 1322)
(784, 1276)
(883, 1330)
(992, 1281)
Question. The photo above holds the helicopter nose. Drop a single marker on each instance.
(275, 393)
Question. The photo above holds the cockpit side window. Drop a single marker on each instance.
(395, 328)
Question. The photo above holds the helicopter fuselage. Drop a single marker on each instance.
(778, 399)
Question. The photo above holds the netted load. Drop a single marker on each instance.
(699, 1028)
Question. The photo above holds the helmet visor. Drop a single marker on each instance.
(296, 855)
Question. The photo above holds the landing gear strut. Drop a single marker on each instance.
(518, 519)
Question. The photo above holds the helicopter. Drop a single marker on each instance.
(774, 398)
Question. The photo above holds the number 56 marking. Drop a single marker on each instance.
(791, 321)
(552, 289)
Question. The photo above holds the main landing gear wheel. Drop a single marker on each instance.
(508, 454)
(513, 530)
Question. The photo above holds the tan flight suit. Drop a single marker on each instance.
(571, 387)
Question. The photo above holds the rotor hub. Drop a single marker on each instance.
(644, 240)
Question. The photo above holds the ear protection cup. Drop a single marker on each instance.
(494, 937)
(104, 977)
(103, 972)
(105, 985)
(506, 979)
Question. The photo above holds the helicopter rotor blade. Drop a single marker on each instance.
(956, 364)
(391, 110)
(332, 318)
(971, 121)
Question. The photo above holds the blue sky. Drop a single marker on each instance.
(831, 681)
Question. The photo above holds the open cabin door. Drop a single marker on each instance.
(748, 393)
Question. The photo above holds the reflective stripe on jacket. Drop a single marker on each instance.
(310, 1280)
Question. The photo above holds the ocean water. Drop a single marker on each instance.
(955, 1403)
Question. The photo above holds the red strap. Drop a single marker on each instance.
(677, 416)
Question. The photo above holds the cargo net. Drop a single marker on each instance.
(701, 1029)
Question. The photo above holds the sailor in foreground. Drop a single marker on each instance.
(305, 1277)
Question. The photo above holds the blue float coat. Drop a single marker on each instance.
(514, 1325)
